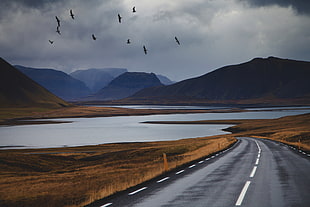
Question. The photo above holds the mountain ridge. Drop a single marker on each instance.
(262, 79)
(125, 85)
(18, 90)
(57, 82)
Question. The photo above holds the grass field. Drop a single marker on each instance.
(80, 175)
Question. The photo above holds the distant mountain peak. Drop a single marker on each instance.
(263, 79)
(126, 85)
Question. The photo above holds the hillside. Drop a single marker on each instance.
(17, 90)
(96, 79)
(259, 80)
(126, 85)
(57, 82)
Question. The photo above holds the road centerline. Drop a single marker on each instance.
(253, 171)
(243, 192)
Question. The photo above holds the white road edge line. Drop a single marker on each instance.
(162, 180)
(107, 204)
(201, 162)
(179, 172)
(137, 191)
(253, 171)
(242, 194)
(192, 166)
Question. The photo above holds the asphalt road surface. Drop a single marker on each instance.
(254, 172)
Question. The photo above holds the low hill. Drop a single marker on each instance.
(17, 90)
(264, 80)
(57, 82)
(96, 79)
(126, 85)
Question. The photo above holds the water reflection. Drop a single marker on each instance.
(89, 131)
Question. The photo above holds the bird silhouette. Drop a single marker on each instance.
(145, 50)
(134, 9)
(176, 39)
(93, 36)
(128, 41)
(58, 21)
(71, 14)
(51, 41)
(119, 18)
(58, 31)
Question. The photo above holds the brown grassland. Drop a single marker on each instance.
(76, 176)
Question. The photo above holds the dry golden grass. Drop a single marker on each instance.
(293, 130)
(80, 175)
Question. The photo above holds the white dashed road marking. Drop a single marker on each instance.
(137, 191)
(162, 180)
(243, 192)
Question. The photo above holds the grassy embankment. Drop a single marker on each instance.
(80, 175)
(292, 130)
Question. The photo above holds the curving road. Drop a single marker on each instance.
(254, 172)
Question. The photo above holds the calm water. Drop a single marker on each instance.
(90, 131)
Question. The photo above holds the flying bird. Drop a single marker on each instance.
(134, 9)
(58, 21)
(58, 31)
(145, 50)
(71, 14)
(119, 18)
(51, 41)
(176, 39)
(93, 36)
(128, 41)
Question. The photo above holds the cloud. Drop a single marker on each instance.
(301, 6)
(212, 33)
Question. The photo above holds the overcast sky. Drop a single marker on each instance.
(212, 33)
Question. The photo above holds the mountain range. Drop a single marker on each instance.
(264, 80)
(96, 79)
(17, 90)
(126, 85)
(57, 82)
(83, 84)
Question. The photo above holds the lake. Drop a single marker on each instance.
(92, 131)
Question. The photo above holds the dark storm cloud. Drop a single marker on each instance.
(301, 6)
(209, 33)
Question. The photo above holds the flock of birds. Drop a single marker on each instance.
(93, 35)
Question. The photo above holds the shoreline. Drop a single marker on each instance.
(29, 116)
(32, 176)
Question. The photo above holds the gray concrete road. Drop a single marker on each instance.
(254, 172)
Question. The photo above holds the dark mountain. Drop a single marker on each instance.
(57, 82)
(96, 79)
(259, 79)
(17, 90)
(126, 85)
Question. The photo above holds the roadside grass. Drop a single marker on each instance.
(80, 175)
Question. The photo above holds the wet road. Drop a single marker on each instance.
(254, 172)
